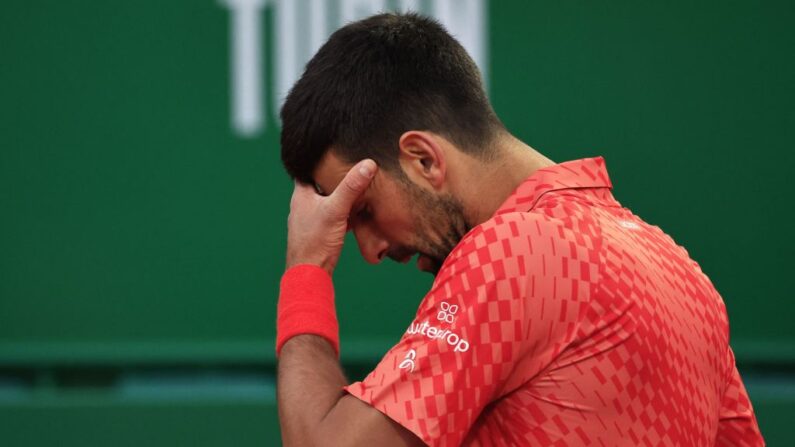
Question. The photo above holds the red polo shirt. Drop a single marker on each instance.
(566, 320)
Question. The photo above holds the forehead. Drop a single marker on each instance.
(329, 173)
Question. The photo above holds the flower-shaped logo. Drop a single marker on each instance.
(447, 314)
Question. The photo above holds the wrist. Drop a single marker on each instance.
(306, 305)
(313, 260)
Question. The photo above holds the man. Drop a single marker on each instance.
(556, 317)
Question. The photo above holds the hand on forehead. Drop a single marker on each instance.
(330, 172)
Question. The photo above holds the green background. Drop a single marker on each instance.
(141, 240)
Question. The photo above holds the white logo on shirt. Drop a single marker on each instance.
(447, 314)
(629, 225)
(435, 333)
(408, 361)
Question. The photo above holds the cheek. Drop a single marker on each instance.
(395, 224)
(393, 214)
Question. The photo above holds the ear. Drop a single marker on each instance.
(423, 158)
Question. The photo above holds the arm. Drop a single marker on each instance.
(313, 408)
(737, 426)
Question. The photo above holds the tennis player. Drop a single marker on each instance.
(557, 317)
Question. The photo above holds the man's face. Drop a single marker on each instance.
(395, 218)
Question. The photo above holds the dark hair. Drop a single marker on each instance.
(375, 79)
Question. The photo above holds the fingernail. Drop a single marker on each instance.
(366, 168)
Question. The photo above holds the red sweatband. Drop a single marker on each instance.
(306, 306)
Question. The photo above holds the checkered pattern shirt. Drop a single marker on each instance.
(566, 320)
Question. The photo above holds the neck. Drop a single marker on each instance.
(487, 185)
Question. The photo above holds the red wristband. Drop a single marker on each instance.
(306, 306)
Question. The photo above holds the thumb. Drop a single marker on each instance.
(356, 182)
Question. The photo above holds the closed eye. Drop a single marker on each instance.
(363, 213)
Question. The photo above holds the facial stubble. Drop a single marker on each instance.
(440, 223)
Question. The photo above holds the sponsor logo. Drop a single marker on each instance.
(447, 312)
(408, 361)
(629, 225)
(435, 333)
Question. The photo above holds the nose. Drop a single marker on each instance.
(372, 246)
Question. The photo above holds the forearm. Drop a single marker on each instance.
(309, 385)
(313, 407)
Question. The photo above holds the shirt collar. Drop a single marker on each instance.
(584, 173)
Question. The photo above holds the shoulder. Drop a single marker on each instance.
(510, 235)
(506, 246)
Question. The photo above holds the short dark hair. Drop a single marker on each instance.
(375, 79)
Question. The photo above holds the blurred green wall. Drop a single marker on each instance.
(142, 239)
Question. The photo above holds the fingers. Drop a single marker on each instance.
(301, 191)
(356, 182)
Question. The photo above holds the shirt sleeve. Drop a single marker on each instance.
(471, 331)
(737, 426)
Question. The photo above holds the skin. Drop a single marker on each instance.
(444, 193)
